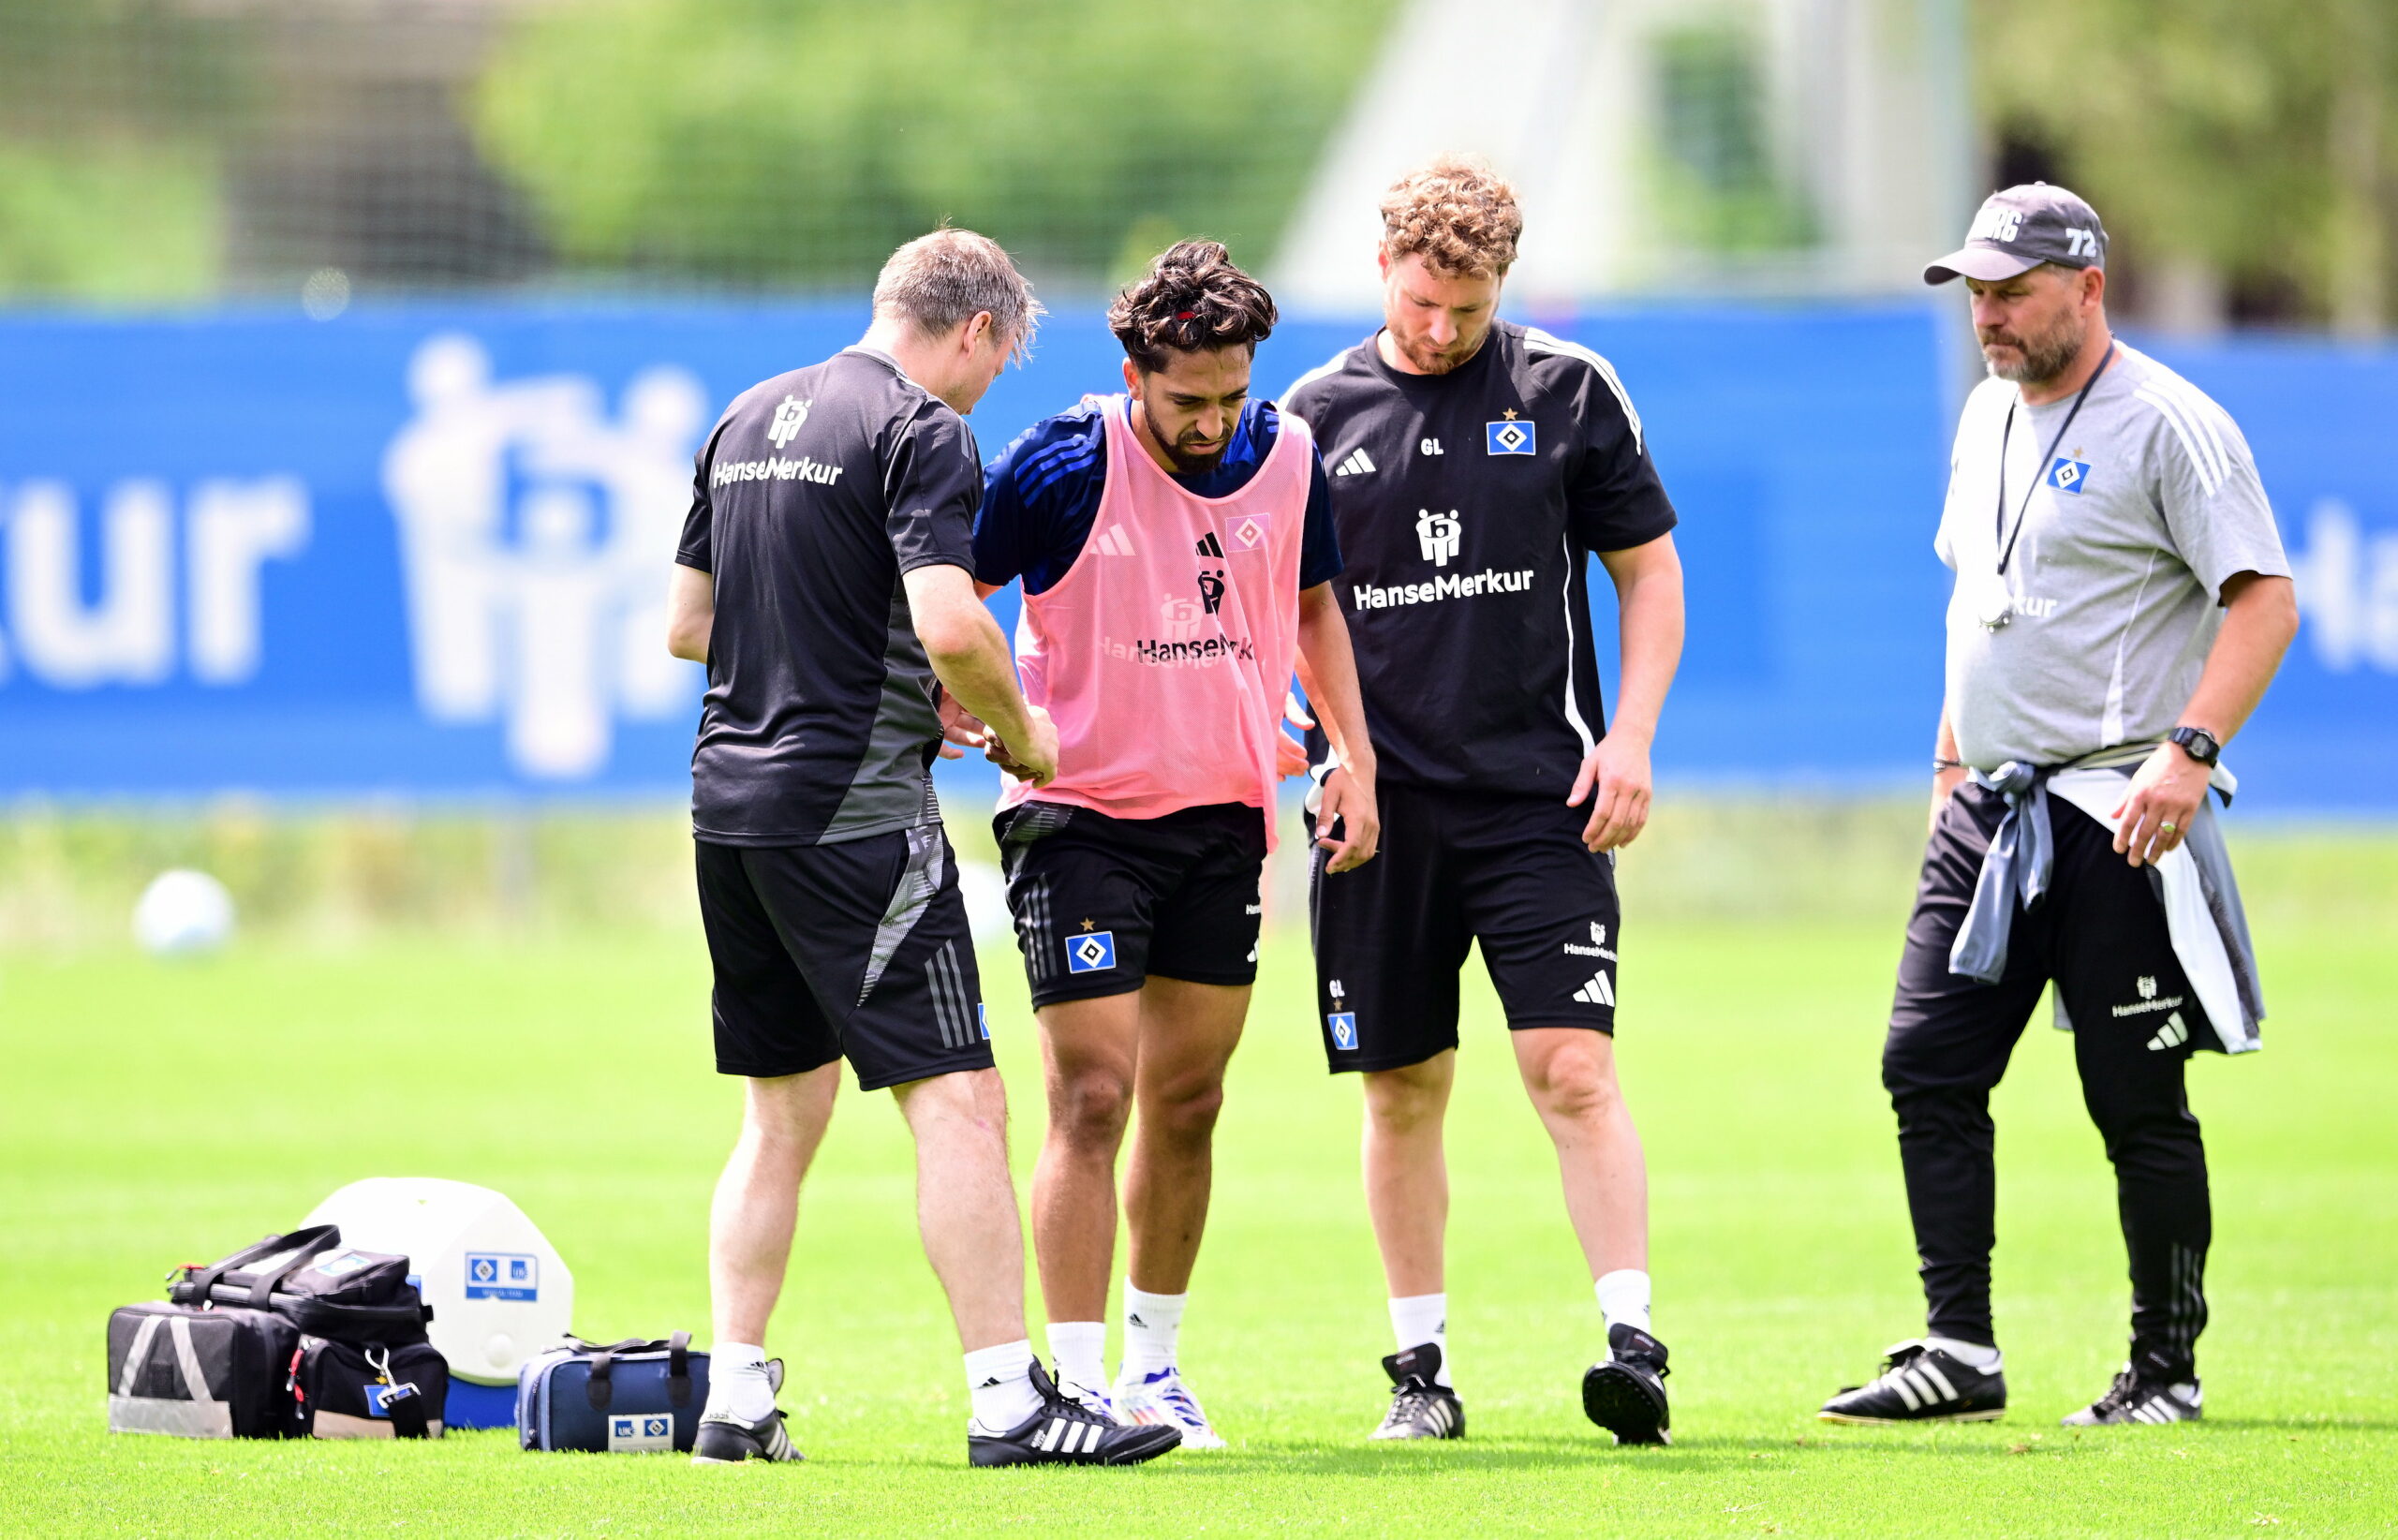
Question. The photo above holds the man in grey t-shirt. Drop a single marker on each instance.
(2122, 601)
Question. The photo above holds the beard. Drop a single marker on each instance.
(2040, 356)
(1187, 461)
(1431, 361)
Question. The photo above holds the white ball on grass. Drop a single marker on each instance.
(184, 914)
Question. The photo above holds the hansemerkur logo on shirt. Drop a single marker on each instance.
(1439, 533)
(791, 415)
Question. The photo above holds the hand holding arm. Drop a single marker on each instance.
(971, 659)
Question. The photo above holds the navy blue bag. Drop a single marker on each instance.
(633, 1396)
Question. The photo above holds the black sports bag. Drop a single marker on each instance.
(345, 1390)
(311, 1281)
(199, 1373)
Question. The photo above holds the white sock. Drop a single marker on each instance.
(1972, 1354)
(1151, 1324)
(1421, 1318)
(1077, 1349)
(1001, 1381)
(1623, 1299)
(737, 1383)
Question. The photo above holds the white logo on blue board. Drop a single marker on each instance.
(1344, 1028)
(536, 530)
(1510, 437)
(2068, 475)
(1094, 953)
(502, 1275)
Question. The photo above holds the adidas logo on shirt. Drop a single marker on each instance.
(1597, 992)
(1210, 546)
(1113, 542)
(2171, 1035)
(1356, 464)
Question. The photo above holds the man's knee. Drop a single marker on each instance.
(1185, 1111)
(1577, 1083)
(2155, 1133)
(1405, 1099)
(1088, 1106)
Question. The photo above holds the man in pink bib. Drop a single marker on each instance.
(1176, 550)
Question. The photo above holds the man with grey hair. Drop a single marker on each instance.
(2122, 602)
(824, 578)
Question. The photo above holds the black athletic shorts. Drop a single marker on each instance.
(1102, 903)
(2099, 933)
(859, 948)
(1455, 868)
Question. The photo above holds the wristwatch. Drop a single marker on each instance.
(2198, 743)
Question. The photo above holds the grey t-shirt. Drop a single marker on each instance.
(2147, 506)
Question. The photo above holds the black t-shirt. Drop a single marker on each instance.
(815, 492)
(1468, 505)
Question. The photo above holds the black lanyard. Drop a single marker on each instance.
(1999, 535)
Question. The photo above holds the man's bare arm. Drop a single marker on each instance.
(1615, 775)
(1329, 669)
(2260, 618)
(690, 613)
(971, 659)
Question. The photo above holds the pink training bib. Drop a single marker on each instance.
(1164, 652)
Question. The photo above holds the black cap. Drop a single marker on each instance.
(2017, 230)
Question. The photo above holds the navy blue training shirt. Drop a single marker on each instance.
(1041, 495)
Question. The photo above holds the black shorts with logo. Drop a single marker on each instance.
(859, 948)
(1101, 903)
(1455, 868)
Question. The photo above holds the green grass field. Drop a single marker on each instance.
(153, 1113)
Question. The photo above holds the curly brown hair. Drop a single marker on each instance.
(1193, 299)
(1457, 214)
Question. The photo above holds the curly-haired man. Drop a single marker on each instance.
(1176, 550)
(1478, 465)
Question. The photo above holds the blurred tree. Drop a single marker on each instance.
(2250, 140)
(776, 141)
(111, 115)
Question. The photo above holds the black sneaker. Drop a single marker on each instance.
(1626, 1393)
(1918, 1383)
(1420, 1406)
(726, 1440)
(2148, 1391)
(1064, 1431)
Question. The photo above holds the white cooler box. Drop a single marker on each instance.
(499, 1290)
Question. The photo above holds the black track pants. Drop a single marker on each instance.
(2100, 935)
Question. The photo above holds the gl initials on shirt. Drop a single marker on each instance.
(1428, 446)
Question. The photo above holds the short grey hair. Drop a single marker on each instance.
(940, 280)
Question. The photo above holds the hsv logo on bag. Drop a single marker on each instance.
(641, 1433)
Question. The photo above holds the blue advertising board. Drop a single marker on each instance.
(422, 550)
